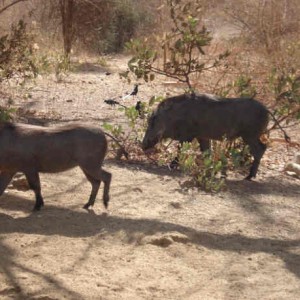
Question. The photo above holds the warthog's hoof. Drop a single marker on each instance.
(87, 206)
(105, 203)
(38, 206)
(249, 178)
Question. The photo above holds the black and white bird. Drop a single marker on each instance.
(133, 93)
(113, 102)
(135, 90)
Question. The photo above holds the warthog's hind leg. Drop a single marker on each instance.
(5, 178)
(95, 187)
(257, 149)
(33, 179)
(95, 177)
(106, 179)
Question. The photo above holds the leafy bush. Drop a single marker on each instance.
(6, 114)
(17, 54)
(285, 85)
(131, 132)
(207, 169)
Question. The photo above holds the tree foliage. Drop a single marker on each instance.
(94, 25)
(182, 48)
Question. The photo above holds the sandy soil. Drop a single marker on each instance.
(158, 240)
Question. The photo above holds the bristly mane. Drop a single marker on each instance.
(198, 97)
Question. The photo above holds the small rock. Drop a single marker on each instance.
(136, 189)
(176, 205)
(292, 169)
(165, 240)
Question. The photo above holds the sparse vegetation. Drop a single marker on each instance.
(182, 51)
(181, 48)
(6, 114)
(167, 233)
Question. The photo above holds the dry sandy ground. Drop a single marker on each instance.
(158, 240)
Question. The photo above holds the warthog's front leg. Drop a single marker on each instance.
(33, 179)
(5, 178)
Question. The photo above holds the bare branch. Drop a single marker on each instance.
(291, 113)
(160, 72)
(10, 5)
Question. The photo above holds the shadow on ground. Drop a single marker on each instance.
(69, 223)
(265, 186)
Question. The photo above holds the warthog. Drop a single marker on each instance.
(206, 117)
(33, 149)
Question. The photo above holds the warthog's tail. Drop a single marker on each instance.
(123, 151)
(286, 137)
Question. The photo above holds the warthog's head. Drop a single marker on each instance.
(155, 130)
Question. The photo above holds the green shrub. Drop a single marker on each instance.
(285, 86)
(207, 169)
(6, 114)
(17, 54)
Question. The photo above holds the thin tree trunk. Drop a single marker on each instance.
(67, 12)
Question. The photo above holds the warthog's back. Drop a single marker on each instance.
(49, 149)
(213, 118)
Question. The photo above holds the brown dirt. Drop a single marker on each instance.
(158, 240)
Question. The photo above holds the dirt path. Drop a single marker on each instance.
(158, 240)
